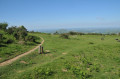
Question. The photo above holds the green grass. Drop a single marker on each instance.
(8, 51)
(80, 57)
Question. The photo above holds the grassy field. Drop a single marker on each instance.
(80, 57)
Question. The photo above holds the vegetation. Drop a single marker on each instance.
(3, 26)
(14, 41)
(66, 36)
(80, 57)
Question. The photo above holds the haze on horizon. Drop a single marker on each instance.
(48, 14)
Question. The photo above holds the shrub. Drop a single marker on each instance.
(31, 38)
(18, 32)
(9, 41)
(11, 30)
(73, 33)
(3, 26)
(66, 36)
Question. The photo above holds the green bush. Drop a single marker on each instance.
(31, 38)
(9, 41)
(3, 26)
(73, 33)
(65, 36)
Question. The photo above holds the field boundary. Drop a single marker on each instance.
(7, 62)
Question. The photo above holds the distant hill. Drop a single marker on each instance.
(84, 30)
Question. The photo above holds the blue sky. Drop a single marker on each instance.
(49, 14)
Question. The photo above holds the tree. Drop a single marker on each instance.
(73, 33)
(66, 36)
(22, 31)
(3, 26)
(18, 32)
(11, 30)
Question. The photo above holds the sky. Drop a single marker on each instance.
(50, 14)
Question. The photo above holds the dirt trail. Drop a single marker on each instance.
(19, 56)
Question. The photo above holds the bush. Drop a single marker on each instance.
(18, 32)
(31, 38)
(73, 33)
(3, 26)
(66, 36)
(9, 41)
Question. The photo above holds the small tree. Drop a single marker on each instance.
(11, 30)
(66, 36)
(3, 26)
(73, 33)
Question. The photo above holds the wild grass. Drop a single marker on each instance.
(79, 57)
(8, 51)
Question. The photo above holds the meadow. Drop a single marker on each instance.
(79, 57)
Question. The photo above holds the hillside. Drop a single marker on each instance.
(79, 57)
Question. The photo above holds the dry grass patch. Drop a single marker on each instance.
(23, 62)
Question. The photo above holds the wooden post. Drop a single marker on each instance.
(42, 49)
(39, 50)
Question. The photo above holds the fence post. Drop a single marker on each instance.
(39, 50)
(42, 49)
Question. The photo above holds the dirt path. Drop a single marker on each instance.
(19, 56)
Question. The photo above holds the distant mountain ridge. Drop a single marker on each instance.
(84, 30)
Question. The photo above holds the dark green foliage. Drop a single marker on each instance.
(3, 26)
(94, 34)
(18, 32)
(12, 29)
(73, 33)
(31, 38)
(8, 41)
(14, 33)
(65, 36)
(76, 33)
(22, 31)
(80, 33)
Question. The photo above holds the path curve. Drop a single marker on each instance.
(7, 62)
